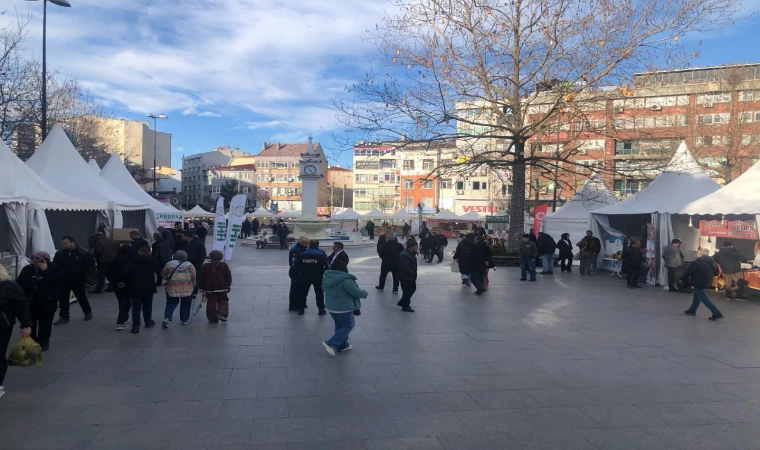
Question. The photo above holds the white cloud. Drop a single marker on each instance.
(284, 61)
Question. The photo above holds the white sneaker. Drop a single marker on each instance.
(347, 348)
(2, 391)
(122, 326)
(329, 349)
(184, 323)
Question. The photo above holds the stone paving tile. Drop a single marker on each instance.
(582, 365)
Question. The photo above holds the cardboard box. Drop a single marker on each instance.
(122, 234)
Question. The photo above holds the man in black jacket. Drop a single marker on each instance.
(405, 230)
(195, 249)
(390, 254)
(565, 247)
(141, 293)
(407, 275)
(75, 262)
(255, 226)
(480, 263)
(41, 282)
(137, 241)
(311, 265)
(730, 261)
(700, 274)
(282, 233)
(632, 258)
(442, 242)
(201, 232)
(371, 230)
(338, 254)
(294, 295)
(546, 248)
(382, 240)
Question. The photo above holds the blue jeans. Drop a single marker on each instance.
(700, 295)
(547, 262)
(528, 265)
(184, 308)
(344, 323)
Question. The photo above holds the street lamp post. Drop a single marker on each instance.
(65, 4)
(155, 146)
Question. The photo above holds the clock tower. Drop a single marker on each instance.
(310, 173)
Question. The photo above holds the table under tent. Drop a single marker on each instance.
(58, 162)
(26, 202)
(650, 216)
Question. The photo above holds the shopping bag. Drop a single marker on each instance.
(26, 353)
(200, 300)
(577, 257)
(455, 267)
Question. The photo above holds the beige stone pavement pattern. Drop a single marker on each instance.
(564, 363)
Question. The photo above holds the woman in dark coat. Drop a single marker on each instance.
(162, 253)
(565, 247)
(41, 282)
(121, 275)
(462, 257)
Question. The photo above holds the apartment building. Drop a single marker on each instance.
(245, 175)
(277, 176)
(340, 185)
(376, 177)
(195, 174)
(628, 134)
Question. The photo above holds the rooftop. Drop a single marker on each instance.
(274, 150)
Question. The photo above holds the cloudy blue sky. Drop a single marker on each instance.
(239, 72)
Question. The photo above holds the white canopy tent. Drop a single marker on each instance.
(471, 216)
(261, 212)
(197, 211)
(741, 196)
(348, 214)
(573, 217)
(116, 173)
(445, 215)
(375, 214)
(681, 182)
(402, 214)
(58, 162)
(25, 197)
(94, 165)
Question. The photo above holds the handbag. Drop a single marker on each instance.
(455, 266)
(201, 300)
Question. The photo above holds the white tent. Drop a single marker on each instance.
(289, 214)
(116, 173)
(375, 214)
(445, 215)
(197, 211)
(348, 214)
(573, 217)
(24, 196)
(681, 182)
(471, 216)
(402, 214)
(261, 212)
(741, 196)
(94, 165)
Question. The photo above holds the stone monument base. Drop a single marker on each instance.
(311, 227)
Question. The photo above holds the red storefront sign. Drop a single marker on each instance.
(480, 209)
(734, 229)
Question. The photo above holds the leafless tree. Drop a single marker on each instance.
(493, 75)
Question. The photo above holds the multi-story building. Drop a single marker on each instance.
(376, 177)
(245, 175)
(195, 177)
(629, 134)
(340, 188)
(277, 176)
(132, 139)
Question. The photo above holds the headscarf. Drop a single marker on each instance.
(180, 255)
(215, 257)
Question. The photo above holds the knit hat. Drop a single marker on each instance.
(180, 255)
(216, 255)
(41, 255)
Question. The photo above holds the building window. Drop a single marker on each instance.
(625, 188)
(427, 202)
(407, 203)
(460, 185)
(408, 183)
(445, 184)
(408, 164)
(714, 97)
(711, 119)
(427, 184)
(427, 164)
(506, 189)
(748, 96)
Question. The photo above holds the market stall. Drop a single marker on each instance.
(197, 212)
(573, 217)
(348, 220)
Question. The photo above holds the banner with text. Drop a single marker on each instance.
(167, 220)
(734, 229)
(538, 218)
(237, 213)
(220, 226)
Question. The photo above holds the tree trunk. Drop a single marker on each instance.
(517, 202)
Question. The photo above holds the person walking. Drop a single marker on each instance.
(201, 232)
(462, 256)
(143, 288)
(673, 259)
(255, 226)
(389, 255)
(299, 247)
(480, 264)
(121, 274)
(245, 228)
(565, 253)
(382, 240)
(75, 262)
(343, 302)
(180, 276)
(311, 265)
(632, 257)
(337, 254)
(528, 254)
(700, 274)
(405, 230)
(162, 253)
(14, 305)
(168, 236)
(195, 250)
(215, 281)
(730, 261)
(371, 230)
(137, 241)
(407, 275)
(41, 282)
(104, 251)
(589, 249)
(546, 248)
(442, 242)
(282, 233)
(429, 247)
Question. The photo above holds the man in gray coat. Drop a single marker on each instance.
(673, 260)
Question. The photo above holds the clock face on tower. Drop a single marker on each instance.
(310, 170)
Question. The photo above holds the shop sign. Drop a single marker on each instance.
(497, 219)
(734, 229)
(480, 208)
(367, 165)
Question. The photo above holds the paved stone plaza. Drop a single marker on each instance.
(564, 363)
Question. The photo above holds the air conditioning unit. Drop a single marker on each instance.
(460, 192)
(618, 109)
(656, 108)
(708, 105)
